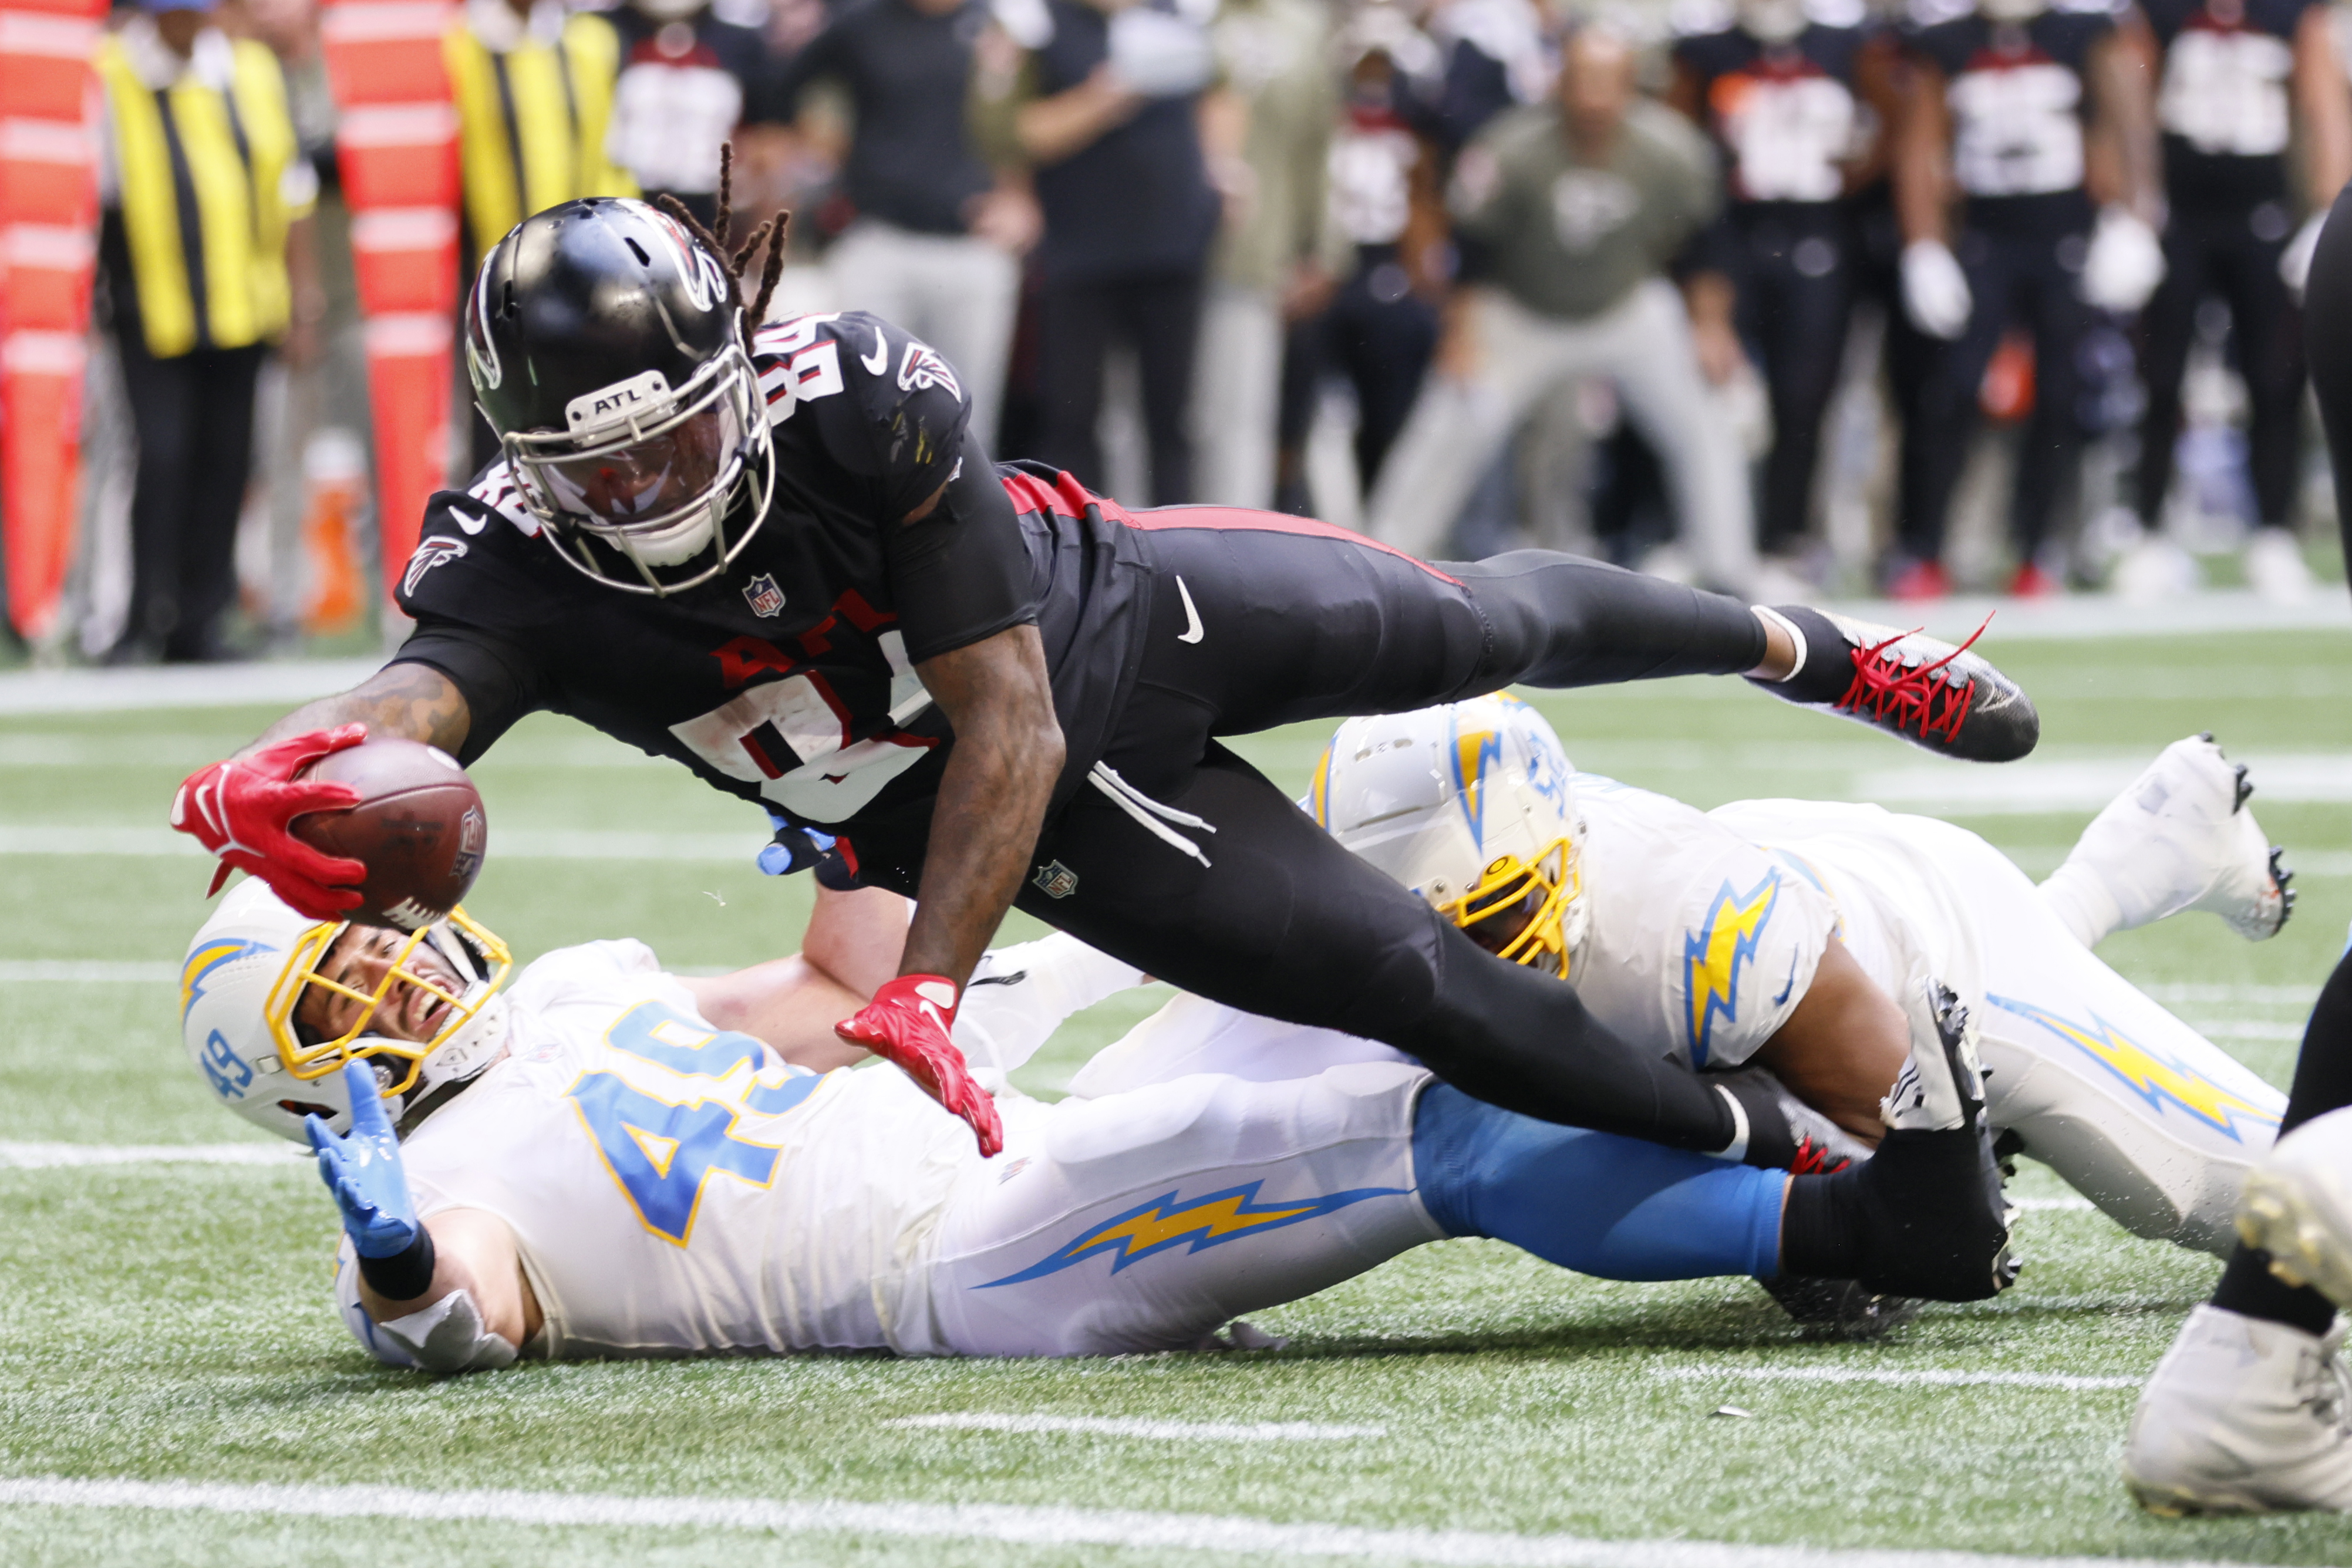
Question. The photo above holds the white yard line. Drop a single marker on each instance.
(1054, 1527)
(2234, 1029)
(2058, 1205)
(1124, 1426)
(1920, 1377)
(2086, 784)
(189, 687)
(53, 1156)
(2173, 995)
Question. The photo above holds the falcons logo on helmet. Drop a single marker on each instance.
(430, 553)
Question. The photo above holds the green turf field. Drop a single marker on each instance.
(163, 1322)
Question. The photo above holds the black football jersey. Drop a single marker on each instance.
(1784, 116)
(789, 679)
(2017, 95)
(2222, 102)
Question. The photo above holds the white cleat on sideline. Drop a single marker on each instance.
(2179, 838)
(2297, 1207)
(2243, 1415)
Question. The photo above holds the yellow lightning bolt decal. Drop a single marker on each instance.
(1472, 752)
(1163, 1222)
(2155, 1079)
(1715, 957)
(205, 959)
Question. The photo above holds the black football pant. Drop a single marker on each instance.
(2224, 253)
(1160, 316)
(2323, 1073)
(2021, 279)
(1297, 621)
(1796, 281)
(193, 415)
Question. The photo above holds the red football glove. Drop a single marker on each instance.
(239, 810)
(907, 1025)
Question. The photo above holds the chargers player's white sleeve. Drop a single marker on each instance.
(2140, 1114)
(1018, 996)
(1699, 942)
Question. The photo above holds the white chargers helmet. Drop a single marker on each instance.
(248, 969)
(1470, 806)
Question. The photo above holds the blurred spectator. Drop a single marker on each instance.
(1565, 214)
(1780, 89)
(2031, 117)
(1494, 57)
(204, 253)
(534, 93)
(1267, 269)
(1104, 101)
(933, 245)
(1385, 211)
(688, 78)
(2241, 80)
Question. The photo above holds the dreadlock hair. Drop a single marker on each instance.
(771, 234)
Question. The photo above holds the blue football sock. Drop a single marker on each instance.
(1617, 1208)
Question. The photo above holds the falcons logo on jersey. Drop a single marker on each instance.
(430, 553)
(922, 367)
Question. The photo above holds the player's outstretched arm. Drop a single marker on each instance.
(991, 801)
(450, 1291)
(407, 701)
(1843, 1047)
(242, 808)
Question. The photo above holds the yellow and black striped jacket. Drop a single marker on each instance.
(532, 124)
(201, 174)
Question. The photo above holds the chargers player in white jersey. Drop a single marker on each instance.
(596, 1160)
(1771, 933)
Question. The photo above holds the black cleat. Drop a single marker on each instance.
(1932, 1220)
(1843, 1310)
(1945, 699)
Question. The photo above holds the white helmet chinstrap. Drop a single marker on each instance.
(1469, 805)
(247, 971)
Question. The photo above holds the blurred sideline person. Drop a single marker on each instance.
(1275, 58)
(936, 242)
(205, 250)
(1565, 215)
(2251, 1410)
(687, 80)
(533, 85)
(607, 1159)
(1788, 90)
(1387, 219)
(2240, 82)
(1106, 105)
(2025, 184)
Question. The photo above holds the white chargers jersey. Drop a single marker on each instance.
(676, 1190)
(1887, 877)
(1697, 938)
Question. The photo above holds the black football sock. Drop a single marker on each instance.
(1820, 1227)
(1825, 660)
(2322, 1083)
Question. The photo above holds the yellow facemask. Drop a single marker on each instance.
(310, 1062)
(1520, 912)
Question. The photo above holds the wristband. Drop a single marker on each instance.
(407, 1274)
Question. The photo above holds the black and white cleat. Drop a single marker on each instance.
(1943, 698)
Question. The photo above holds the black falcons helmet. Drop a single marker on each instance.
(605, 347)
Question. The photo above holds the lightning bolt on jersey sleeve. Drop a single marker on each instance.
(1699, 941)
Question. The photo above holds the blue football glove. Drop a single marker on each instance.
(794, 848)
(363, 1171)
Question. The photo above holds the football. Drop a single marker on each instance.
(418, 828)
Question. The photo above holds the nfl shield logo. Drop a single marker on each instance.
(1056, 880)
(764, 596)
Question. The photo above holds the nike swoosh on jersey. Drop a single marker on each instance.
(1193, 632)
(880, 359)
(1792, 982)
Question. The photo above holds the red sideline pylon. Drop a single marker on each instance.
(397, 144)
(48, 217)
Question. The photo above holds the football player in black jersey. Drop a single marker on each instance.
(2241, 80)
(775, 554)
(2031, 119)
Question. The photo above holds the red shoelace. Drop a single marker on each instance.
(1814, 1160)
(1884, 690)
